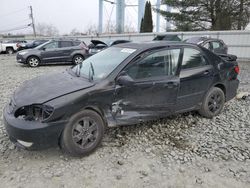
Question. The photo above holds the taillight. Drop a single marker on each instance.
(237, 69)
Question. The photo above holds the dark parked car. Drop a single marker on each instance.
(54, 51)
(97, 45)
(30, 45)
(124, 84)
(167, 37)
(215, 45)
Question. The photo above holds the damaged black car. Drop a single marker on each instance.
(122, 85)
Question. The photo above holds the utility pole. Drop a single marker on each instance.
(32, 20)
(120, 11)
(100, 16)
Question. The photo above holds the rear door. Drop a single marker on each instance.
(196, 77)
(66, 49)
(155, 87)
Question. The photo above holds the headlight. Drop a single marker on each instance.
(22, 53)
(34, 112)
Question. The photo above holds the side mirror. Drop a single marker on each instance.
(43, 48)
(124, 80)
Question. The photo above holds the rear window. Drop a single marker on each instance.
(76, 43)
(66, 44)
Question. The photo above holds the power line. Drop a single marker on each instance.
(16, 28)
(13, 12)
(15, 23)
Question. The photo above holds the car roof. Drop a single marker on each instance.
(153, 44)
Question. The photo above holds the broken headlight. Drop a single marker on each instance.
(34, 112)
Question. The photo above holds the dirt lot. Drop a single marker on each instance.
(180, 151)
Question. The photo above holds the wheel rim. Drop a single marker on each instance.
(9, 51)
(78, 59)
(33, 62)
(215, 102)
(85, 132)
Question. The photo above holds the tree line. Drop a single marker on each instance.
(195, 15)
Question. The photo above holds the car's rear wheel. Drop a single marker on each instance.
(77, 59)
(212, 103)
(9, 50)
(33, 61)
(83, 133)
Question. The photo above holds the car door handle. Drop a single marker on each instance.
(206, 72)
(171, 84)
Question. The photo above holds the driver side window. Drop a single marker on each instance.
(51, 45)
(161, 63)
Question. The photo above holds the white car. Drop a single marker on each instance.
(10, 47)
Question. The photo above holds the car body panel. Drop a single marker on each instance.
(53, 86)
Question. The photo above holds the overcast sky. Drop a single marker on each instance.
(64, 14)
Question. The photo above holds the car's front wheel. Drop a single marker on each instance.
(33, 61)
(212, 103)
(83, 133)
(77, 59)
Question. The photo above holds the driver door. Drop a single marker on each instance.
(51, 52)
(153, 90)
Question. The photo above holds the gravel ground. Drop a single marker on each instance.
(180, 151)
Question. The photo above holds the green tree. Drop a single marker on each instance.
(147, 21)
(141, 27)
(208, 14)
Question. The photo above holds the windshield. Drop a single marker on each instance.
(100, 65)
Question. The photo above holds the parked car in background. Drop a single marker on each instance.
(121, 85)
(10, 46)
(215, 45)
(97, 45)
(54, 51)
(31, 44)
(167, 37)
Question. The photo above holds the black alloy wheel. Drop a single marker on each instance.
(212, 103)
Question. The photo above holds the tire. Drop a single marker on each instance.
(77, 59)
(212, 103)
(83, 134)
(9, 50)
(33, 61)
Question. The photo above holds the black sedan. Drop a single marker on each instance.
(59, 51)
(98, 45)
(30, 45)
(125, 84)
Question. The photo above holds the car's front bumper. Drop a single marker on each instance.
(20, 59)
(32, 134)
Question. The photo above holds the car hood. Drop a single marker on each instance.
(29, 50)
(96, 42)
(48, 87)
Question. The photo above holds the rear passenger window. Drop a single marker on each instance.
(216, 45)
(65, 44)
(192, 58)
(76, 43)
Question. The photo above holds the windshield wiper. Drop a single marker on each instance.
(91, 72)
